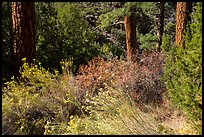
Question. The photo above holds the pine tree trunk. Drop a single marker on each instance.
(23, 34)
(130, 30)
(183, 11)
(160, 26)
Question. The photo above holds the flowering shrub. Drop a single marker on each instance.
(38, 97)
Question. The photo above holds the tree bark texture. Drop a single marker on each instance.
(130, 30)
(183, 10)
(23, 34)
(160, 26)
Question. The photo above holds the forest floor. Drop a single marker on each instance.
(173, 119)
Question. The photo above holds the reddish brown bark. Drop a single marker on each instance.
(23, 34)
(130, 30)
(183, 11)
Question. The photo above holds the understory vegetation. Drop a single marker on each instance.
(101, 99)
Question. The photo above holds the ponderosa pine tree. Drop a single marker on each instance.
(23, 45)
(130, 30)
(183, 11)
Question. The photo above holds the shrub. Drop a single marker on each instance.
(143, 81)
(92, 77)
(38, 97)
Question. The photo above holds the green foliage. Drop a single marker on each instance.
(63, 32)
(148, 24)
(109, 50)
(183, 71)
(166, 43)
(148, 41)
(108, 18)
(149, 8)
(38, 97)
(168, 38)
(170, 29)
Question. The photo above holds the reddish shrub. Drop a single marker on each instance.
(92, 77)
(141, 81)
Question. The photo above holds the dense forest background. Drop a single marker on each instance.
(83, 79)
(100, 31)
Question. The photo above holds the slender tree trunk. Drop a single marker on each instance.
(183, 11)
(23, 45)
(130, 30)
(160, 26)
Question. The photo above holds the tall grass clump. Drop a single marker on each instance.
(111, 112)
